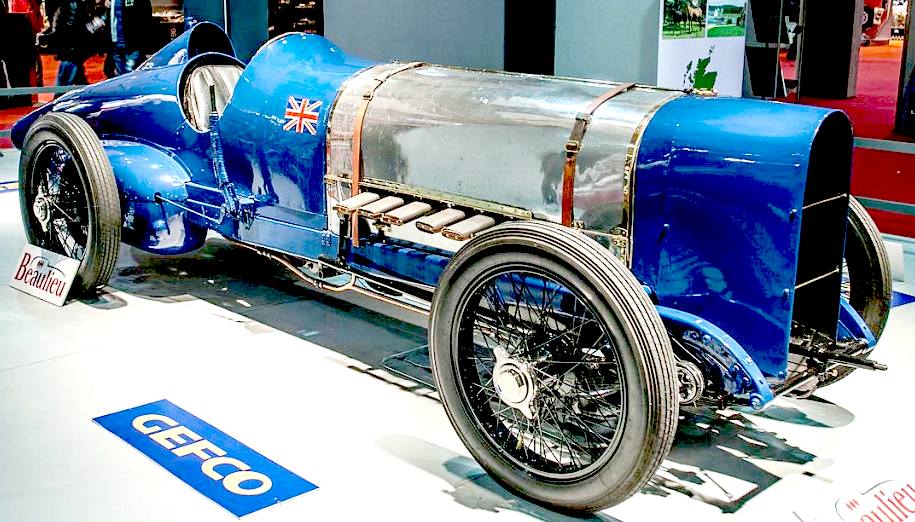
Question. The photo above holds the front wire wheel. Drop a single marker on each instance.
(69, 198)
(554, 366)
(540, 371)
(56, 201)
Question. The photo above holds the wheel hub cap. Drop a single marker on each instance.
(42, 210)
(514, 383)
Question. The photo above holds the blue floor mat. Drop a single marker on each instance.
(900, 299)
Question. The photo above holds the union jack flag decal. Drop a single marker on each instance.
(302, 115)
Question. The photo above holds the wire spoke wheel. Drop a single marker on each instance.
(866, 281)
(866, 285)
(59, 202)
(540, 371)
(69, 198)
(554, 367)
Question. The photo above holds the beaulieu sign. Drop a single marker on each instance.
(45, 275)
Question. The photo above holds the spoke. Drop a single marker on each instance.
(574, 416)
(62, 236)
(585, 394)
(62, 211)
(551, 361)
(503, 410)
(543, 442)
(482, 388)
(541, 324)
(497, 304)
(541, 316)
(554, 339)
(568, 442)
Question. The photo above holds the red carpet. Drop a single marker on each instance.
(873, 110)
(889, 176)
(877, 174)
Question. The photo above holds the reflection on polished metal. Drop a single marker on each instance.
(359, 123)
(436, 222)
(378, 208)
(464, 230)
(692, 382)
(356, 202)
(492, 137)
(406, 213)
(573, 149)
(41, 208)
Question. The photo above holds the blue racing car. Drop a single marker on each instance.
(592, 256)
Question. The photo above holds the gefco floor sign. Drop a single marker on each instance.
(45, 275)
(216, 465)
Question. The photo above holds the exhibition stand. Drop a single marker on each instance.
(263, 277)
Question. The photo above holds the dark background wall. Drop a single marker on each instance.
(248, 26)
(205, 10)
(247, 21)
(530, 36)
(468, 33)
(592, 38)
(608, 40)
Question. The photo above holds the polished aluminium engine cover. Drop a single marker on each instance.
(494, 141)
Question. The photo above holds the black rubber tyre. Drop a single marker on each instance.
(646, 423)
(870, 278)
(870, 282)
(63, 152)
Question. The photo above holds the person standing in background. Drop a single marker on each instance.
(68, 36)
(131, 24)
(32, 10)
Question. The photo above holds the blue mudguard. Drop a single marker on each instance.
(852, 326)
(722, 358)
(142, 172)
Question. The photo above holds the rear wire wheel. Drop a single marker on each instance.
(69, 198)
(867, 283)
(554, 366)
(870, 283)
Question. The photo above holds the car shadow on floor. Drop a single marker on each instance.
(470, 485)
(714, 459)
(243, 282)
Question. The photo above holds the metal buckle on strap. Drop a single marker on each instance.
(367, 96)
(573, 148)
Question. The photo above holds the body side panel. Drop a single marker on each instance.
(142, 173)
(263, 155)
(719, 190)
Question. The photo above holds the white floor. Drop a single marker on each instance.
(293, 375)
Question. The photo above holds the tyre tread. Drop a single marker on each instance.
(75, 133)
(640, 321)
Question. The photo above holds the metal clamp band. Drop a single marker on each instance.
(367, 96)
(573, 148)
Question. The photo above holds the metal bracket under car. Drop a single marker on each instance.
(823, 356)
(721, 358)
